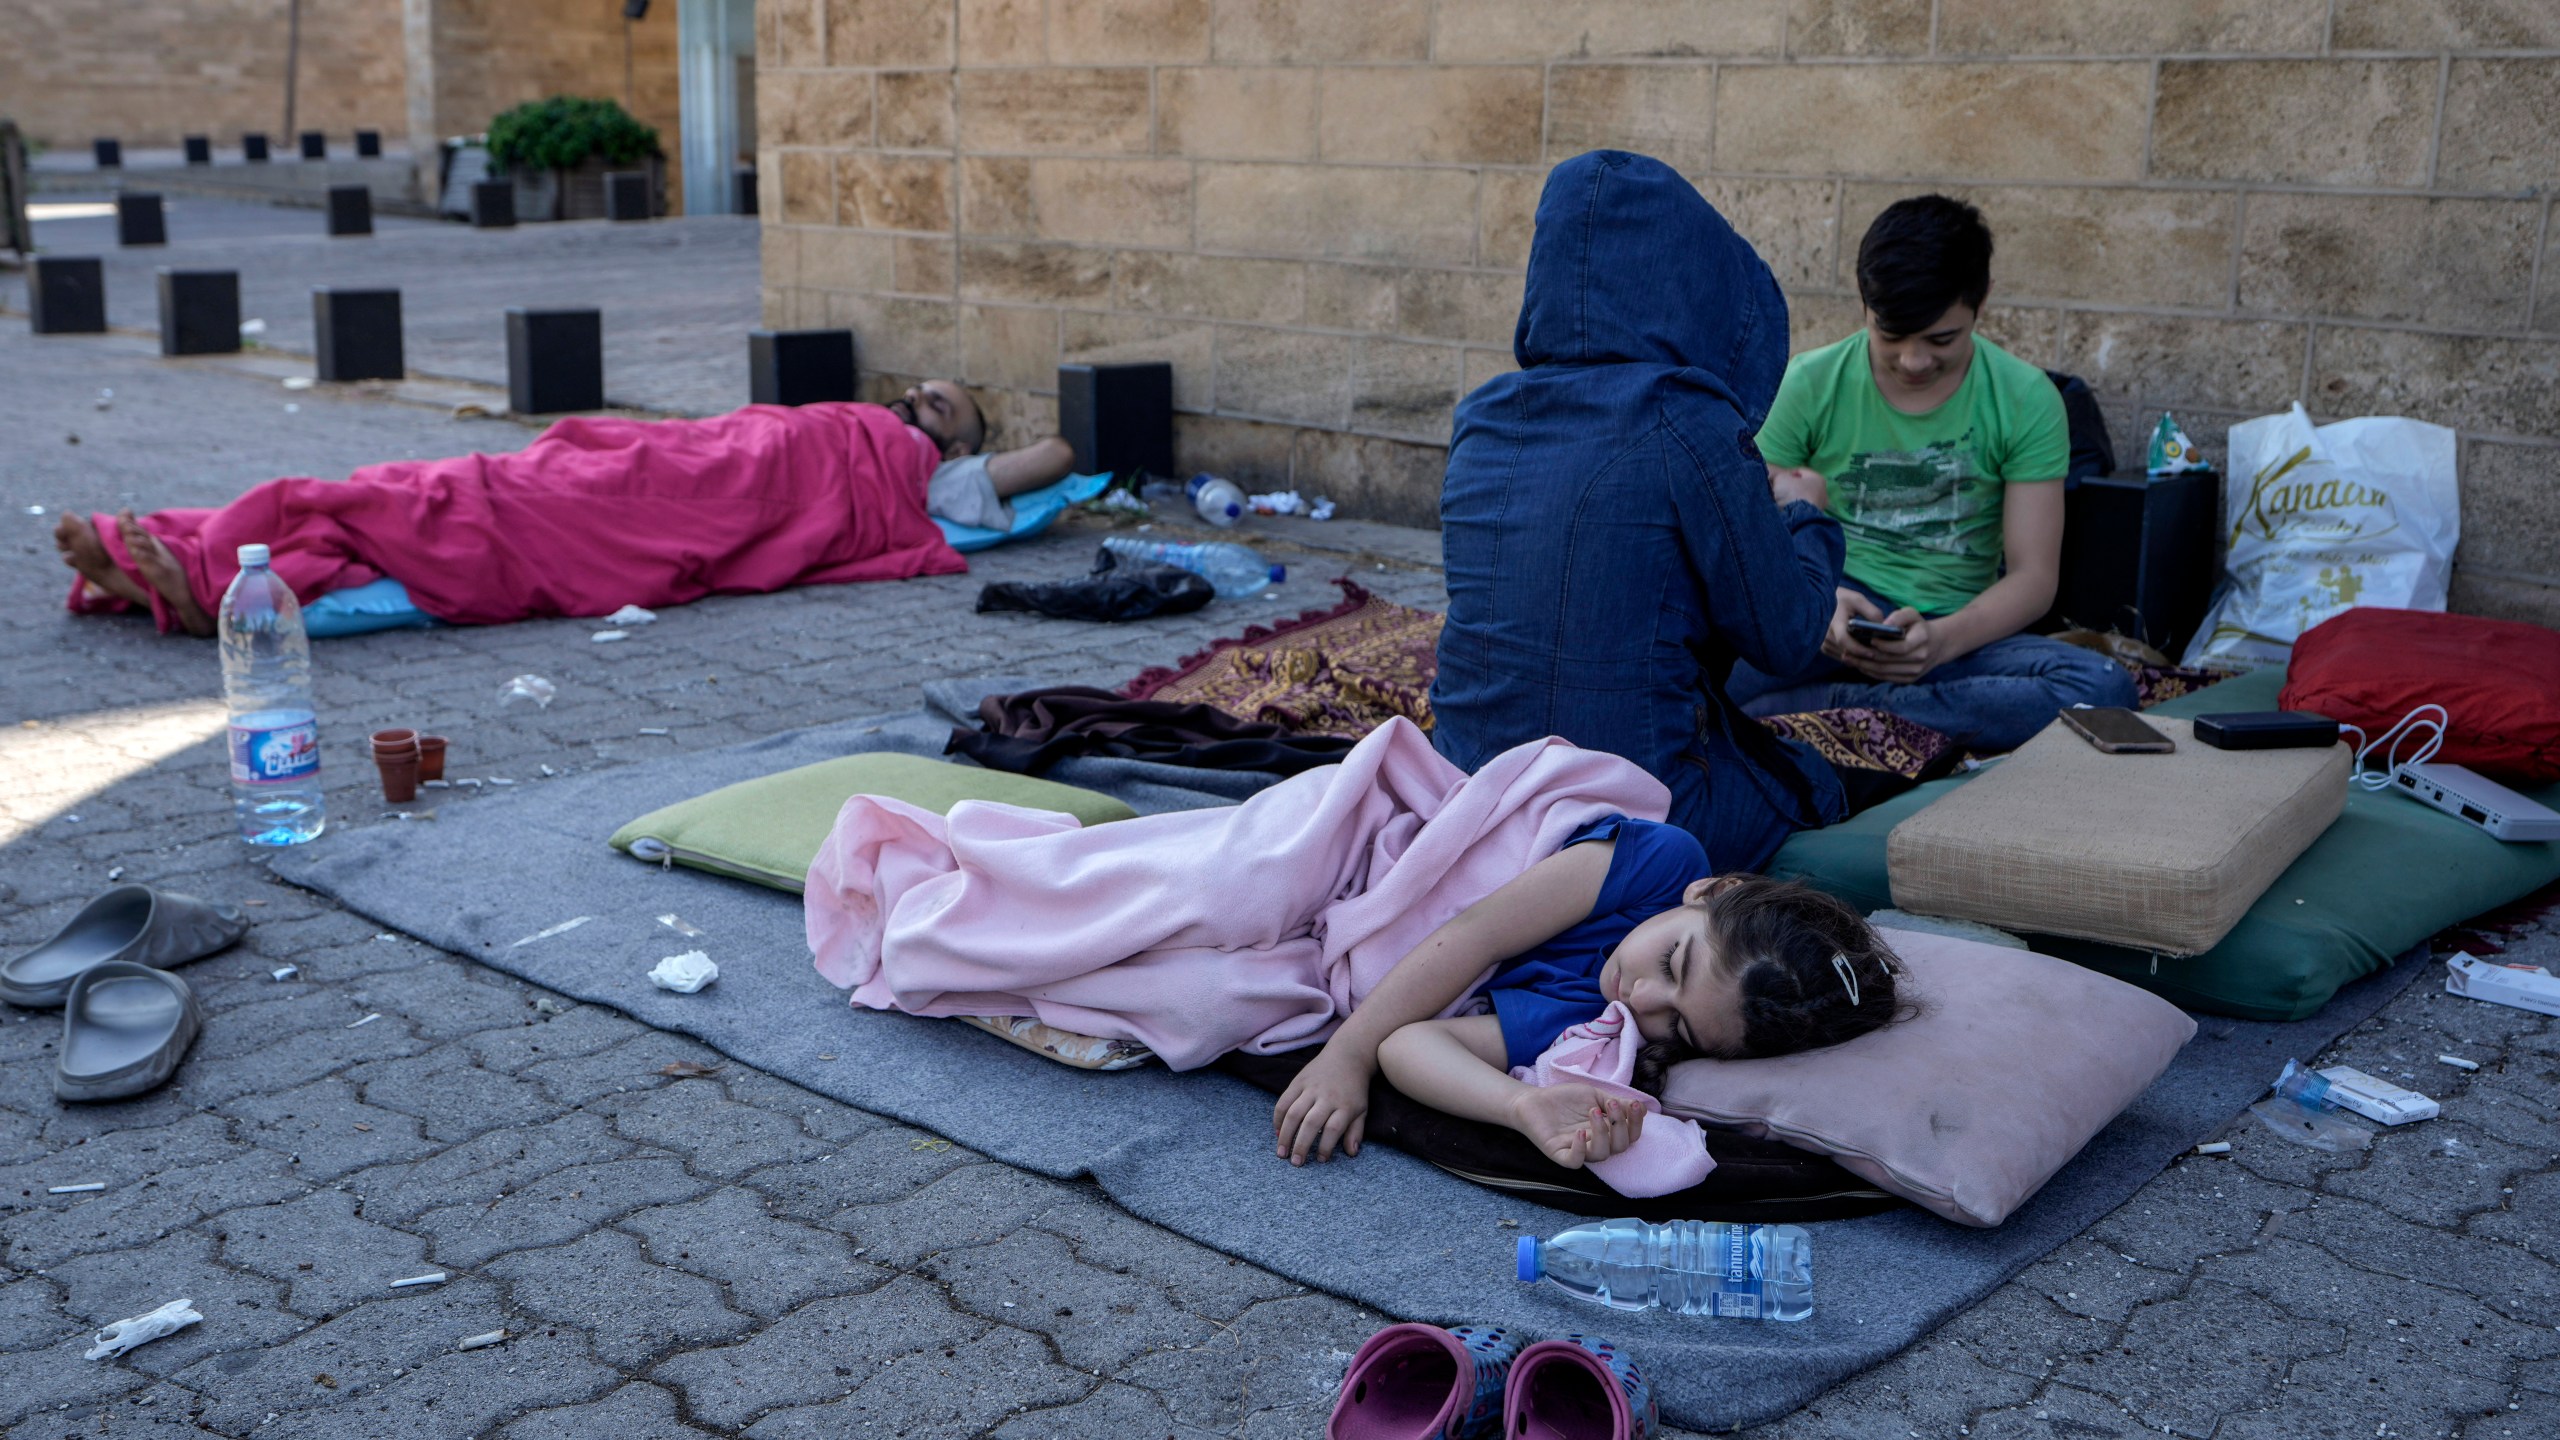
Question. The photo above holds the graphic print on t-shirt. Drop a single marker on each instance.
(1920, 496)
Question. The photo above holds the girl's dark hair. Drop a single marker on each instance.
(1780, 938)
(1921, 256)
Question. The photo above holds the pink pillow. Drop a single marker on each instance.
(2014, 1061)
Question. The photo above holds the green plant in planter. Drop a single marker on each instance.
(561, 132)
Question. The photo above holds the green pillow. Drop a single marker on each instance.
(768, 830)
(2387, 875)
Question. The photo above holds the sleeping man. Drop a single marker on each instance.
(599, 512)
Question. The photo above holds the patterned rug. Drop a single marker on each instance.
(1349, 668)
(1345, 670)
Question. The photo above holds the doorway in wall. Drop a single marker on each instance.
(716, 78)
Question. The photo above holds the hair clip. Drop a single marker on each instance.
(1848, 976)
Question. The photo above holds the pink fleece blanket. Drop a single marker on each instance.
(1256, 926)
(598, 513)
(1670, 1154)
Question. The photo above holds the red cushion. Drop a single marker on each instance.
(2498, 680)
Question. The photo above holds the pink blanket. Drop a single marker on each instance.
(596, 514)
(1256, 926)
(1670, 1154)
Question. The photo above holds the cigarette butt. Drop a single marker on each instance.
(480, 1342)
(653, 729)
(2457, 1062)
(432, 1277)
(2214, 1147)
(369, 1019)
(75, 1189)
(285, 972)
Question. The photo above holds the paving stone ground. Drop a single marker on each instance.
(734, 1256)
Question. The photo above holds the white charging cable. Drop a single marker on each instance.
(2424, 725)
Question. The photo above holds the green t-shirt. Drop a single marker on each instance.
(1918, 496)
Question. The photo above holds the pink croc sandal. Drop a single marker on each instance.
(1420, 1382)
(1577, 1388)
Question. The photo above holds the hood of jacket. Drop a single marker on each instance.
(1630, 265)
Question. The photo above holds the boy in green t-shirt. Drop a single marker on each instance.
(1945, 457)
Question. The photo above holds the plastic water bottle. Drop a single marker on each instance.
(1232, 569)
(1696, 1267)
(1218, 501)
(266, 678)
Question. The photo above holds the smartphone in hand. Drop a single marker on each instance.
(1870, 631)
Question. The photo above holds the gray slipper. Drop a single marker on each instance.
(135, 923)
(124, 1030)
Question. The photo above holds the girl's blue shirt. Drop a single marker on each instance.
(1540, 993)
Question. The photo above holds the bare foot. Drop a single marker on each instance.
(161, 568)
(83, 551)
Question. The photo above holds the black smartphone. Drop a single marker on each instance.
(2267, 730)
(2117, 731)
(1862, 628)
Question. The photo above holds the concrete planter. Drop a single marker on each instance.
(578, 194)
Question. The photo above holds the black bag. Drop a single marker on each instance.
(1755, 1181)
(1113, 592)
(2093, 451)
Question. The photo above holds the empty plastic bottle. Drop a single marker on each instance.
(1219, 502)
(1696, 1267)
(275, 737)
(1230, 568)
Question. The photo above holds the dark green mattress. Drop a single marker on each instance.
(2389, 874)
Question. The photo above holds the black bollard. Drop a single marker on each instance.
(139, 220)
(1119, 418)
(799, 367)
(357, 334)
(315, 145)
(555, 361)
(626, 195)
(368, 144)
(67, 295)
(493, 204)
(199, 312)
(199, 149)
(253, 148)
(745, 199)
(109, 153)
(350, 210)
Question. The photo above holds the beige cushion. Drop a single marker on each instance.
(2160, 852)
(2013, 1062)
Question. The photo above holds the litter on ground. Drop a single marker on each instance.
(563, 928)
(142, 1329)
(685, 973)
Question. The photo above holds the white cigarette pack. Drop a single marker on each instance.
(2526, 987)
(2352, 1089)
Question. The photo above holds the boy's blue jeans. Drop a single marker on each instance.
(1993, 699)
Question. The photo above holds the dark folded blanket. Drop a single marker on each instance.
(1028, 732)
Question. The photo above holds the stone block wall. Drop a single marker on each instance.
(151, 71)
(470, 59)
(1318, 210)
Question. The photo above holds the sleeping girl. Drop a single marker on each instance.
(1408, 916)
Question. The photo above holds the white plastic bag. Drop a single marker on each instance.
(2321, 520)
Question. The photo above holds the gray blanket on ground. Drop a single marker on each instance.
(1192, 1152)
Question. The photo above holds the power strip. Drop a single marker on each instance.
(2466, 795)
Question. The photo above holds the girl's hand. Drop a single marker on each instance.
(1327, 1102)
(1574, 1125)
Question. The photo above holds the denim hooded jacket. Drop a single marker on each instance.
(1610, 539)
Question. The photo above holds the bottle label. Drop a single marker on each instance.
(1737, 1289)
(268, 757)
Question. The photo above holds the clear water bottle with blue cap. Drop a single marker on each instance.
(1218, 501)
(1232, 569)
(275, 734)
(1696, 1267)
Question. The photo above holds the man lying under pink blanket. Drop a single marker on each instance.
(598, 513)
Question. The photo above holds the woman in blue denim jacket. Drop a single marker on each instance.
(1613, 540)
